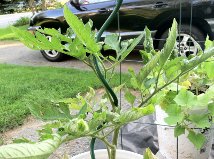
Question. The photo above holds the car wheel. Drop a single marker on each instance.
(188, 44)
(52, 55)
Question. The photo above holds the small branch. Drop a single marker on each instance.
(159, 89)
(106, 135)
(87, 63)
(156, 83)
(104, 127)
(105, 141)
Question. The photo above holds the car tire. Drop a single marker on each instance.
(188, 43)
(52, 55)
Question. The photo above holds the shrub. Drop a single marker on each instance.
(22, 21)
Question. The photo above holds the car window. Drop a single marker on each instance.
(94, 1)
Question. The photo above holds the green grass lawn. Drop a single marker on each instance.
(7, 34)
(22, 86)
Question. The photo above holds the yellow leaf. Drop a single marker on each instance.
(186, 84)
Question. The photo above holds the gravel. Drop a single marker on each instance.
(28, 130)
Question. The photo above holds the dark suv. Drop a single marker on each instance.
(134, 16)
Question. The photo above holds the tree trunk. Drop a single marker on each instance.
(44, 7)
(31, 5)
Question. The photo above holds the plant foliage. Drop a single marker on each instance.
(84, 116)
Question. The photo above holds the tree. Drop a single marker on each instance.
(32, 6)
(44, 7)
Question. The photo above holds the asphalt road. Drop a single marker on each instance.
(16, 53)
(8, 19)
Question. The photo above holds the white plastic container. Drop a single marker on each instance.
(168, 143)
(102, 154)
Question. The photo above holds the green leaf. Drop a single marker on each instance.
(172, 120)
(83, 110)
(211, 108)
(203, 100)
(112, 58)
(77, 50)
(167, 100)
(185, 98)
(48, 110)
(195, 61)
(113, 42)
(40, 41)
(175, 115)
(149, 67)
(210, 92)
(200, 120)
(134, 81)
(208, 43)
(119, 88)
(55, 33)
(130, 97)
(77, 128)
(179, 130)
(148, 41)
(124, 46)
(134, 43)
(149, 155)
(170, 45)
(43, 39)
(145, 56)
(81, 31)
(22, 140)
(47, 130)
(149, 82)
(40, 150)
(90, 94)
(208, 68)
(134, 114)
(173, 68)
(28, 39)
(197, 139)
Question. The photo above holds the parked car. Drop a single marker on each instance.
(134, 16)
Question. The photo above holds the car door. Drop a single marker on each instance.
(136, 14)
(97, 11)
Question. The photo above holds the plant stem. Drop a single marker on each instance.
(114, 142)
(196, 90)
(159, 89)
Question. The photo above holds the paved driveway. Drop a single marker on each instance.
(8, 19)
(17, 53)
